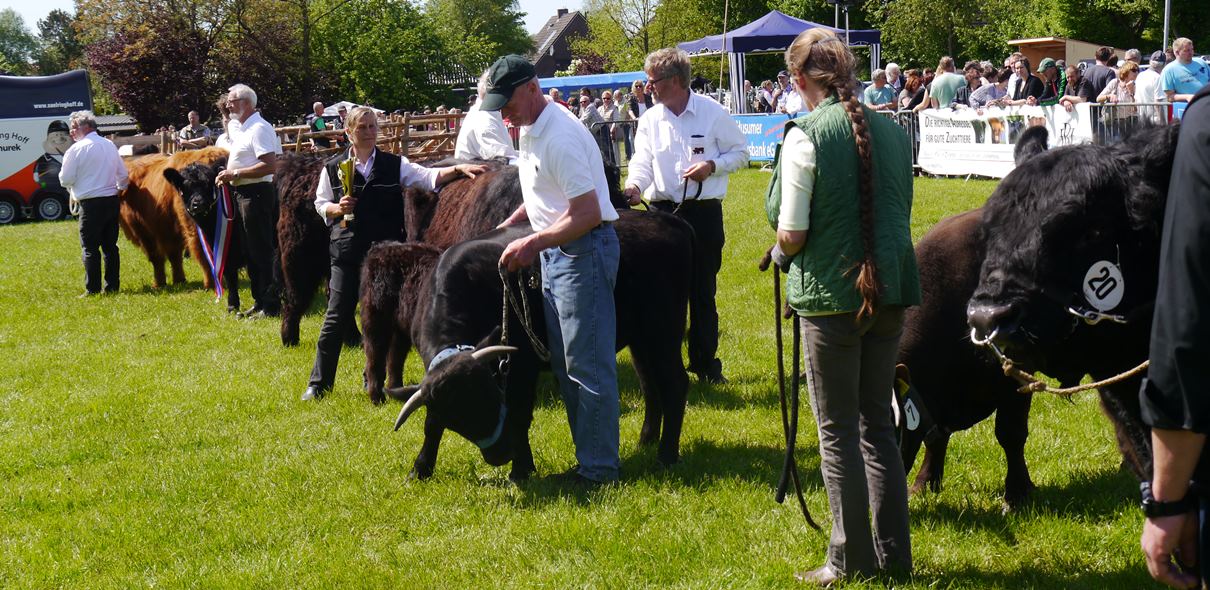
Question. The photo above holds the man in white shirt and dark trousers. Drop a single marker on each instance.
(684, 149)
(94, 174)
(566, 201)
(250, 165)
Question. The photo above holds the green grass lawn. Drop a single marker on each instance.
(148, 439)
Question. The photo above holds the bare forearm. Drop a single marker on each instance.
(791, 241)
(1175, 455)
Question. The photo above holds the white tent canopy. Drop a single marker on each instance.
(334, 109)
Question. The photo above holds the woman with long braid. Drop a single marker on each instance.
(840, 200)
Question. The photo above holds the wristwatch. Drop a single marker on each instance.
(1153, 508)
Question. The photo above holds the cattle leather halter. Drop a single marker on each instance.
(789, 413)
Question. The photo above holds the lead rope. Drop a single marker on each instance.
(1029, 384)
(789, 418)
(523, 314)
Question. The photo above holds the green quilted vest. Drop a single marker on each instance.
(823, 275)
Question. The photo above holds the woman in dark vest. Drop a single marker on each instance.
(840, 200)
(373, 212)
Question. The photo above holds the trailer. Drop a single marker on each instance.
(34, 136)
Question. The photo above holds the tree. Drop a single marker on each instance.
(59, 50)
(17, 45)
(916, 33)
(475, 33)
(264, 56)
(625, 31)
(380, 51)
(153, 70)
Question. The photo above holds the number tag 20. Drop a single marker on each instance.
(1104, 285)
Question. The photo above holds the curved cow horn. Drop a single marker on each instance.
(490, 352)
(408, 407)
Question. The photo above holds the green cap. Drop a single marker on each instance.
(505, 76)
(1046, 63)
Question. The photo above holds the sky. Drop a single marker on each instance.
(537, 11)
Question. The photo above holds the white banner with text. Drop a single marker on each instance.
(981, 141)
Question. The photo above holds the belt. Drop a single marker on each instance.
(250, 181)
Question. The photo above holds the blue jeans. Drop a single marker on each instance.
(577, 285)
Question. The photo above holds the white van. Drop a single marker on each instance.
(33, 138)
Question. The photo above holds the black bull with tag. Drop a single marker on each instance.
(1059, 271)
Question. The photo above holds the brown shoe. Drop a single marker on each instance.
(823, 576)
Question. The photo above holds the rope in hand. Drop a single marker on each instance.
(521, 308)
(789, 418)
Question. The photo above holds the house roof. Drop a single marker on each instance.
(116, 124)
(552, 30)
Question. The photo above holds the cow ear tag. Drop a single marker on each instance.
(1104, 285)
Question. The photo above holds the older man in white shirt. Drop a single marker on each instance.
(684, 149)
(483, 135)
(93, 173)
(251, 161)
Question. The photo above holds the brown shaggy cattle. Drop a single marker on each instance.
(153, 217)
(302, 239)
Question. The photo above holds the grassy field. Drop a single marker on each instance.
(148, 439)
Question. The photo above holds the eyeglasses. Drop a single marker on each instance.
(655, 81)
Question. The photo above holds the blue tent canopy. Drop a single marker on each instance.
(572, 84)
(772, 32)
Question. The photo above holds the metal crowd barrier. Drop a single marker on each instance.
(615, 140)
(907, 121)
(1111, 121)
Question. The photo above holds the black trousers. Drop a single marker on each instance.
(706, 217)
(258, 212)
(99, 235)
(343, 294)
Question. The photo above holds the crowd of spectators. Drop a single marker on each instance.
(1166, 77)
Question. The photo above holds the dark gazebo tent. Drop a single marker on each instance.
(771, 33)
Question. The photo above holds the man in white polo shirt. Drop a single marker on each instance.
(250, 163)
(483, 135)
(566, 201)
(94, 174)
(683, 151)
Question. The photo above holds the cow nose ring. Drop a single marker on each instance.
(977, 341)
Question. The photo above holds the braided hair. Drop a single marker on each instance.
(827, 62)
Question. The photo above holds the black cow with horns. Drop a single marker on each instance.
(457, 325)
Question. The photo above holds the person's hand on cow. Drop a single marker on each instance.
(1170, 548)
(520, 253)
(699, 171)
(633, 195)
(450, 173)
(470, 170)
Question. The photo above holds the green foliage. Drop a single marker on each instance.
(476, 32)
(59, 50)
(151, 440)
(17, 45)
(154, 70)
(380, 51)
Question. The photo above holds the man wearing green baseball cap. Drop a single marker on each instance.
(566, 202)
(1054, 82)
